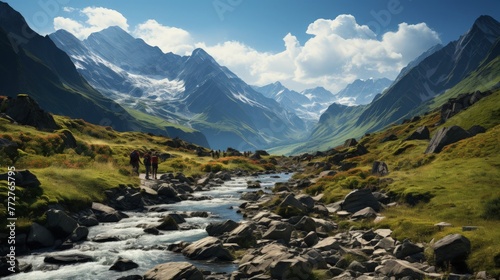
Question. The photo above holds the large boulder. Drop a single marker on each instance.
(453, 248)
(446, 136)
(207, 248)
(359, 199)
(407, 248)
(174, 271)
(39, 237)
(219, 228)
(60, 223)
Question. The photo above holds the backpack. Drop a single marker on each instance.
(134, 156)
(154, 159)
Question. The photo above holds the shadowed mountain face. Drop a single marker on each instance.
(34, 65)
(190, 90)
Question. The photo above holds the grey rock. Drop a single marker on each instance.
(279, 231)
(59, 223)
(207, 248)
(380, 168)
(451, 248)
(219, 228)
(122, 264)
(359, 199)
(174, 271)
(400, 269)
(39, 237)
(64, 259)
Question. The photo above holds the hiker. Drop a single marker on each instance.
(135, 160)
(147, 163)
(154, 165)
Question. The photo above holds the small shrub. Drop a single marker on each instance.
(491, 209)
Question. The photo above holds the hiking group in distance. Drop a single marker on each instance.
(150, 162)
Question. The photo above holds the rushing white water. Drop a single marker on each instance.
(144, 249)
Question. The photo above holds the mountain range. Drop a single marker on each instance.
(194, 90)
(33, 64)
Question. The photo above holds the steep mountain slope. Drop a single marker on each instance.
(191, 90)
(462, 66)
(33, 64)
(362, 92)
(434, 75)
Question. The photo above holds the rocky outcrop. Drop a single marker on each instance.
(26, 111)
(174, 271)
(39, 237)
(460, 103)
(446, 136)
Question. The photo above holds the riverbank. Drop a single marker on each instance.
(141, 234)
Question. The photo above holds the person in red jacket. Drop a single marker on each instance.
(154, 165)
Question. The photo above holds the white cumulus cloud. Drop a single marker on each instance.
(168, 39)
(97, 19)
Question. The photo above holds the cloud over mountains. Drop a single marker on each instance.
(338, 51)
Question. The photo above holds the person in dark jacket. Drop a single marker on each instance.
(147, 163)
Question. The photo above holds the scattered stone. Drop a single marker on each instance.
(207, 248)
(39, 237)
(380, 168)
(350, 143)
(365, 213)
(59, 223)
(174, 271)
(67, 259)
(400, 269)
(359, 199)
(422, 133)
(219, 228)
(279, 231)
(123, 264)
(168, 223)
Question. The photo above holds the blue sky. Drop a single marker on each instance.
(300, 43)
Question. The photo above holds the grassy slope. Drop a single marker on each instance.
(74, 177)
(453, 186)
